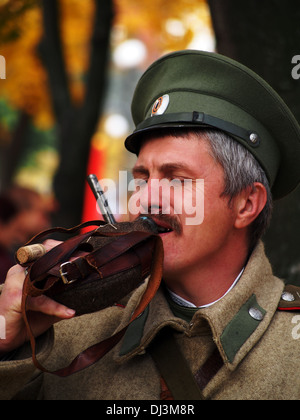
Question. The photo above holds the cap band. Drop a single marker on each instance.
(252, 138)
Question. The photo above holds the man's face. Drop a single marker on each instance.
(186, 246)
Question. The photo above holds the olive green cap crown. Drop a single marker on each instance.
(200, 89)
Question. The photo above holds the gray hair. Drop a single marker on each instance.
(241, 170)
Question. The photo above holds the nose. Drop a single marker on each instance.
(151, 197)
(156, 196)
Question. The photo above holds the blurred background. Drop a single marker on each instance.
(71, 67)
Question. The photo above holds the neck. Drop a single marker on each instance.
(209, 280)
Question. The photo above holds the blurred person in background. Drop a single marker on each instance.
(35, 211)
(23, 214)
(8, 234)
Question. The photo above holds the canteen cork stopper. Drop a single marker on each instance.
(28, 254)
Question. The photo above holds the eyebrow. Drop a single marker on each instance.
(165, 168)
(139, 169)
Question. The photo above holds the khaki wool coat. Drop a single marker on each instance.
(259, 346)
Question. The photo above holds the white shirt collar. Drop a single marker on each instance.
(182, 302)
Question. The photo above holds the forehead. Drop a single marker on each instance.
(178, 157)
(191, 149)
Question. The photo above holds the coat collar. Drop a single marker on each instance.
(236, 322)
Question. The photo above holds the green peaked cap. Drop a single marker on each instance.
(200, 89)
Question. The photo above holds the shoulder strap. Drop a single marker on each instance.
(174, 368)
(178, 381)
(290, 299)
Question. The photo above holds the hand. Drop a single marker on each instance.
(45, 311)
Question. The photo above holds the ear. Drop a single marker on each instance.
(249, 204)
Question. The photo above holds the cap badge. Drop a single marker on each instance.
(160, 105)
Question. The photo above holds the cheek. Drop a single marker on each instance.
(213, 224)
(197, 243)
(194, 202)
(218, 224)
(187, 201)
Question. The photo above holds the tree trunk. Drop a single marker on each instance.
(265, 36)
(12, 153)
(76, 125)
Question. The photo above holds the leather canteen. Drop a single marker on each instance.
(92, 271)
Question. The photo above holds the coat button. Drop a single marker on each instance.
(287, 297)
(256, 314)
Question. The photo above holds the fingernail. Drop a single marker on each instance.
(70, 312)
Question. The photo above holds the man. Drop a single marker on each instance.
(34, 211)
(214, 329)
(9, 234)
(23, 214)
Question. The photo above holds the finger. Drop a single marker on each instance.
(50, 244)
(16, 270)
(48, 306)
(14, 281)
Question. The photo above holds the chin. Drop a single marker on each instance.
(171, 269)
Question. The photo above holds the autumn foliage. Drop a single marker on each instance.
(21, 30)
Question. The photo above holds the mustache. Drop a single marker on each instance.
(171, 221)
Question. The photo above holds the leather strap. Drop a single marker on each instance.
(70, 231)
(174, 368)
(178, 382)
(199, 118)
(96, 352)
(121, 252)
(210, 368)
